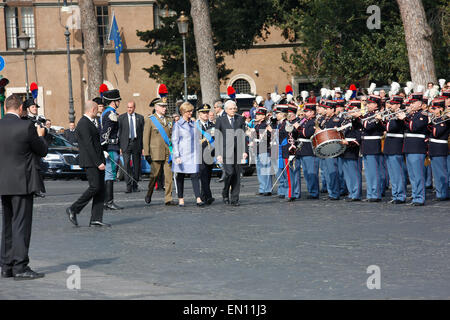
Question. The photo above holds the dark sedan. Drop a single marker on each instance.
(62, 159)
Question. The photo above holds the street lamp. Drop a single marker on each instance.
(69, 75)
(24, 44)
(183, 26)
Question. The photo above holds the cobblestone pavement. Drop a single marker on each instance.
(264, 249)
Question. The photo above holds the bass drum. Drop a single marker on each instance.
(327, 143)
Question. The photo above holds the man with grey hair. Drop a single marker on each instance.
(231, 150)
(92, 159)
(218, 108)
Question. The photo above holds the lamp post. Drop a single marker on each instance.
(24, 44)
(69, 75)
(183, 26)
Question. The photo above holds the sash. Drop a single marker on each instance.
(205, 134)
(163, 134)
(108, 109)
(280, 153)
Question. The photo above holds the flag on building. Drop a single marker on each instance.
(114, 35)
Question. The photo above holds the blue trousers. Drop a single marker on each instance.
(282, 183)
(332, 177)
(448, 168)
(353, 179)
(264, 172)
(384, 175)
(372, 168)
(289, 179)
(342, 184)
(440, 172)
(416, 170)
(323, 174)
(310, 165)
(111, 167)
(428, 177)
(395, 165)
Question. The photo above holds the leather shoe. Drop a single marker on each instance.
(290, 199)
(235, 204)
(170, 203)
(28, 274)
(267, 194)
(7, 274)
(112, 206)
(210, 201)
(128, 190)
(226, 200)
(98, 224)
(397, 202)
(200, 204)
(374, 200)
(281, 196)
(136, 189)
(39, 194)
(72, 216)
(309, 197)
(148, 199)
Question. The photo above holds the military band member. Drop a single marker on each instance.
(305, 153)
(331, 165)
(393, 151)
(438, 149)
(371, 149)
(415, 147)
(158, 149)
(206, 128)
(340, 108)
(350, 158)
(262, 147)
(278, 166)
(319, 123)
(109, 140)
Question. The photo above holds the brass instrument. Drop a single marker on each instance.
(383, 114)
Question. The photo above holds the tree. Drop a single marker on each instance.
(206, 56)
(419, 41)
(92, 50)
(235, 24)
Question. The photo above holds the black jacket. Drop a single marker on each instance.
(91, 153)
(19, 144)
(71, 136)
(124, 131)
(224, 131)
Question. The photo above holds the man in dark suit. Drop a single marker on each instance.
(70, 134)
(131, 130)
(92, 160)
(20, 142)
(231, 150)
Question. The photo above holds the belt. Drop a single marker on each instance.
(395, 135)
(350, 139)
(438, 141)
(132, 139)
(414, 135)
(303, 140)
(371, 137)
(113, 141)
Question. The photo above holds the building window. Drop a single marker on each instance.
(242, 86)
(19, 19)
(103, 24)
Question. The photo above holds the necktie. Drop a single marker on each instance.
(131, 128)
(232, 122)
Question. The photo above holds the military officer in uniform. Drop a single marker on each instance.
(438, 149)
(415, 147)
(350, 158)
(371, 149)
(393, 151)
(305, 153)
(206, 129)
(109, 139)
(158, 149)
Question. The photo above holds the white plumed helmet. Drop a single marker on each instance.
(371, 88)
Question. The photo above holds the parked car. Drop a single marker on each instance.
(62, 159)
(145, 168)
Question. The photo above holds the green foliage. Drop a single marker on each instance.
(338, 45)
(235, 25)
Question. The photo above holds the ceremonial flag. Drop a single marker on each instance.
(114, 35)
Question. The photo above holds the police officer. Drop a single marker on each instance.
(371, 149)
(305, 153)
(206, 129)
(415, 147)
(393, 151)
(438, 149)
(109, 139)
(350, 158)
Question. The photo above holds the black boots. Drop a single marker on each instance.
(109, 196)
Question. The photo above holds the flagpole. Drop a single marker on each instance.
(110, 27)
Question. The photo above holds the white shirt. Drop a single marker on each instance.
(229, 119)
(16, 114)
(133, 118)
(93, 120)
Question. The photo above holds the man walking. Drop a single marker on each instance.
(20, 142)
(93, 161)
(131, 130)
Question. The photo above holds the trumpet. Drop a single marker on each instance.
(383, 114)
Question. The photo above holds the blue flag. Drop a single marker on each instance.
(114, 35)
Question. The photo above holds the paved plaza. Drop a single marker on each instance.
(264, 249)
